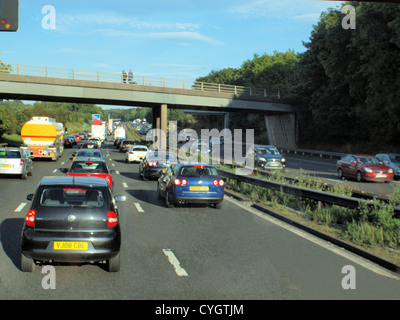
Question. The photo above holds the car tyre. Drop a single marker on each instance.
(158, 193)
(218, 205)
(27, 264)
(340, 174)
(24, 175)
(168, 203)
(359, 176)
(114, 264)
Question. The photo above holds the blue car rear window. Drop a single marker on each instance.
(198, 172)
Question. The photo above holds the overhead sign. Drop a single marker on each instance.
(95, 117)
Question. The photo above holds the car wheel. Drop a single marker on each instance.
(359, 176)
(158, 192)
(167, 201)
(30, 172)
(113, 265)
(27, 264)
(218, 205)
(24, 175)
(340, 174)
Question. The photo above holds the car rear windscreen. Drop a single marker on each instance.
(71, 196)
(10, 155)
(88, 167)
(198, 172)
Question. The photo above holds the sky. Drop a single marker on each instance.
(175, 39)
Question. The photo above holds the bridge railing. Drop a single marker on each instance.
(74, 74)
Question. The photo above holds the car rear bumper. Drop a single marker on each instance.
(12, 171)
(208, 199)
(100, 246)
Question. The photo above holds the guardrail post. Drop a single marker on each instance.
(279, 95)
(183, 84)
(18, 68)
(265, 93)
(219, 87)
(251, 92)
(73, 74)
(202, 86)
(98, 76)
(47, 72)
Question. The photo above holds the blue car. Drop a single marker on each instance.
(191, 183)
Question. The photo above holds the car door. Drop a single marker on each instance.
(352, 167)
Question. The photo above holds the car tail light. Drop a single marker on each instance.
(112, 219)
(130, 152)
(179, 182)
(218, 182)
(22, 162)
(30, 218)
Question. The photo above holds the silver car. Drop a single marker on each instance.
(15, 161)
(391, 160)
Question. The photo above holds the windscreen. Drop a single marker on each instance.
(10, 154)
(72, 196)
(268, 151)
(160, 156)
(198, 172)
(88, 167)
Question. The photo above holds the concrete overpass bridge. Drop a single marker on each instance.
(22, 82)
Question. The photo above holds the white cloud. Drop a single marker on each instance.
(113, 20)
(172, 35)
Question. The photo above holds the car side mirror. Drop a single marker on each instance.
(120, 198)
(353, 163)
(29, 197)
(63, 170)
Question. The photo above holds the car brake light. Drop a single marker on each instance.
(218, 182)
(179, 182)
(22, 162)
(130, 152)
(30, 218)
(112, 219)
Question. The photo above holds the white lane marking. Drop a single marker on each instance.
(55, 170)
(138, 207)
(175, 263)
(62, 163)
(325, 244)
(117, 172)
(124, 184)
(113, 164)
(20, 207)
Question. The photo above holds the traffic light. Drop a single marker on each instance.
(8, 15)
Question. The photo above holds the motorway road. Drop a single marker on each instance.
(187, 252)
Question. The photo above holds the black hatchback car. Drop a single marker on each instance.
(155, 163)
(72, 220)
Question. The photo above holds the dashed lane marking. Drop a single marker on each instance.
(175, 263)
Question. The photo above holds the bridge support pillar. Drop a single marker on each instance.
(281, 129)
(160, 122)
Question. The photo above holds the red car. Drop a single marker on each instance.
(93, 167)
(363, 168)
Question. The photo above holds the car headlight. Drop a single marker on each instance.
(262, 159)
(367, 169)
(390, 170)
(283, 160)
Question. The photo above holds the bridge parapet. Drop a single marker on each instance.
(148, 81)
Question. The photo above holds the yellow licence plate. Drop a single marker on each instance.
(70, 245)
(195, 188)
(6, 166)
